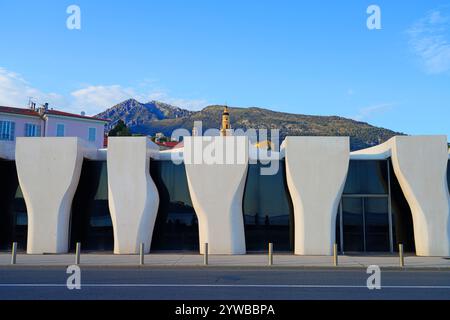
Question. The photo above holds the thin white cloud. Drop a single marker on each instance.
(16, 91)
(92, 99)
(368, 112)
(429, 38)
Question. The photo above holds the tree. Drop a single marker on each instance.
(120, 129)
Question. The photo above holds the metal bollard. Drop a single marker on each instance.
(14, 253)
(335, 255)
(78, 253)
(205, 255)
(141, 254)
(401, 256)
(270, 254)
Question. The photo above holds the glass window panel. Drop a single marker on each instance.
(7, 130)
(60, 130)
(32, 130)
(268, 214)
(338, 229)
(367, 177)
(353, 228)
(91, 220)
(92, 134)
(13, 212)
(12, 131)
(377, 224)
(176, 226)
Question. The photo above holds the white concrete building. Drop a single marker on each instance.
(59, 191)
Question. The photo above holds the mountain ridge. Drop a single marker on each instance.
(154, 116)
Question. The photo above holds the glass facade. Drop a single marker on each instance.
(91, 223)
(176, 226)
(364, 225)
(367, 177)
(374, 215)
(352, 224)
(13, 211)
(268, 213)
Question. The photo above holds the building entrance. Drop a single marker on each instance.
(365, 224)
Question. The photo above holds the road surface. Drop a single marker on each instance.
(217, 283)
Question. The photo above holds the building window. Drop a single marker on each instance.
(374, 215)
(91, 222)
(92, 134)
(32, 130)
(268, 211)
(7, 130)
(60, 130)
(176, 226)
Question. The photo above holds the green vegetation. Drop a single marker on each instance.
(120, 129)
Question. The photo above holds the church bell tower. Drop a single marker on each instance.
(225, 130)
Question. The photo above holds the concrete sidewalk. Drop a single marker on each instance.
(249, 260)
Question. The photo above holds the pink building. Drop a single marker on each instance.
(44, 122)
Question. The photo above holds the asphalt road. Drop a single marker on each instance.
(33, 283)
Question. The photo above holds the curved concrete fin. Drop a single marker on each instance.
(49, 170)
(216, 169)
(133, 196)
(316, 170)
(420, 164)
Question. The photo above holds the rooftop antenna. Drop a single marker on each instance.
(31, 103)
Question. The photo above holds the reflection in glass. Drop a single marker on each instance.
(13, 211)
(91, 220)
(268, 214)
(353, 228)
(176, 226)
(376, 218)
(367, 177)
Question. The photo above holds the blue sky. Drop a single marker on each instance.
(309, 57)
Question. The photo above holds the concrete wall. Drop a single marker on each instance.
(420, 164)
(216, 187)
(48, 170)
(316, 170)
(133, 196)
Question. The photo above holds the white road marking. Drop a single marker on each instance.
(6, 285)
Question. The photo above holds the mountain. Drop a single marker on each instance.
(153, 117)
